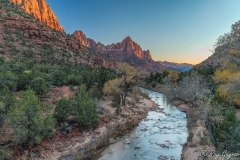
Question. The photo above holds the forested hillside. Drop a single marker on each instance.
(30, 68)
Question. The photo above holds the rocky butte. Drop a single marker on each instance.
(126, 48)
(40, 10)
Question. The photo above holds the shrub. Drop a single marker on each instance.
(82, 107)
(39, 85)
(2, 51)
(5, 153)
(85, 108)
(114, 104)
(29, 122)
(8, 79)
(190, 137)
(62, 110)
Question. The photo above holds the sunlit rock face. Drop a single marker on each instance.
(80, 36)
(40, 10)
(125, 48)
(128, 51)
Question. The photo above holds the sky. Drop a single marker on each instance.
(182, 31)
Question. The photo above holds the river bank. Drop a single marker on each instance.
(159, 136)
(71, 144)
(89, 143)
(199, 139)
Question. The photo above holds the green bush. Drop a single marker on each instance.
(118, 110)
(114, 105)
(190, 137)
(85, 108)
(39, 85)
(2, 51)
(23, 81)
(82, 107)
(62, 110)
(30, 122)
(5, 153)
(8, 79)
(225, 128)
(7, 100)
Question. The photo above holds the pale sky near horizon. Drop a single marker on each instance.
(173, 30)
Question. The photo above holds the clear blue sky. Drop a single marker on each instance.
(173, 30)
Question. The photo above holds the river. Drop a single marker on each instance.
(159, 136)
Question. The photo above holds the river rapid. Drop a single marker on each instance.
(160, 135)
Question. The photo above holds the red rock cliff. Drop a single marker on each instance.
(40, 10)
(80, 36)
(127, 48)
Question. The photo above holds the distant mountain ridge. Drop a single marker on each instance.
(125, 51)
(130, 52)
(181, 67)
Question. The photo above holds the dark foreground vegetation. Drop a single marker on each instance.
(23, 87)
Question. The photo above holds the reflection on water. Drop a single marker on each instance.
(163, 132)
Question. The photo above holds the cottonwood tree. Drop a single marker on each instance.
(190, 89)
(228, 79)
(121, 86)
(173, 76)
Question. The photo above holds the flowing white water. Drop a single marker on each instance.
(163, 132)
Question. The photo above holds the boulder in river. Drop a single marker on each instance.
(111, 141)
(144, 129)
(163, 145)
(177, 103)
(161, 157)
(127, 141)
(183, 108)
(172, 158)
(136, 147)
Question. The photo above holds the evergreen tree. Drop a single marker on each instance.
(85, 108)
(7, 100)
(29, 121)
(38, 85)
(62, 109)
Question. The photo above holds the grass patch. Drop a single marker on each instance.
(190, 137)
(203, 141)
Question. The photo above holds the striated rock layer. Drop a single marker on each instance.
(40, 10)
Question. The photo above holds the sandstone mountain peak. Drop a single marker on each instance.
(40, 10)
(128, 38)
(80, 36)
(126, 48)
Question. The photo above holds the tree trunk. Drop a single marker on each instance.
(124, 100)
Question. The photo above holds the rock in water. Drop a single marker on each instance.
(183, 108)
(162, 157)
(111, 141)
